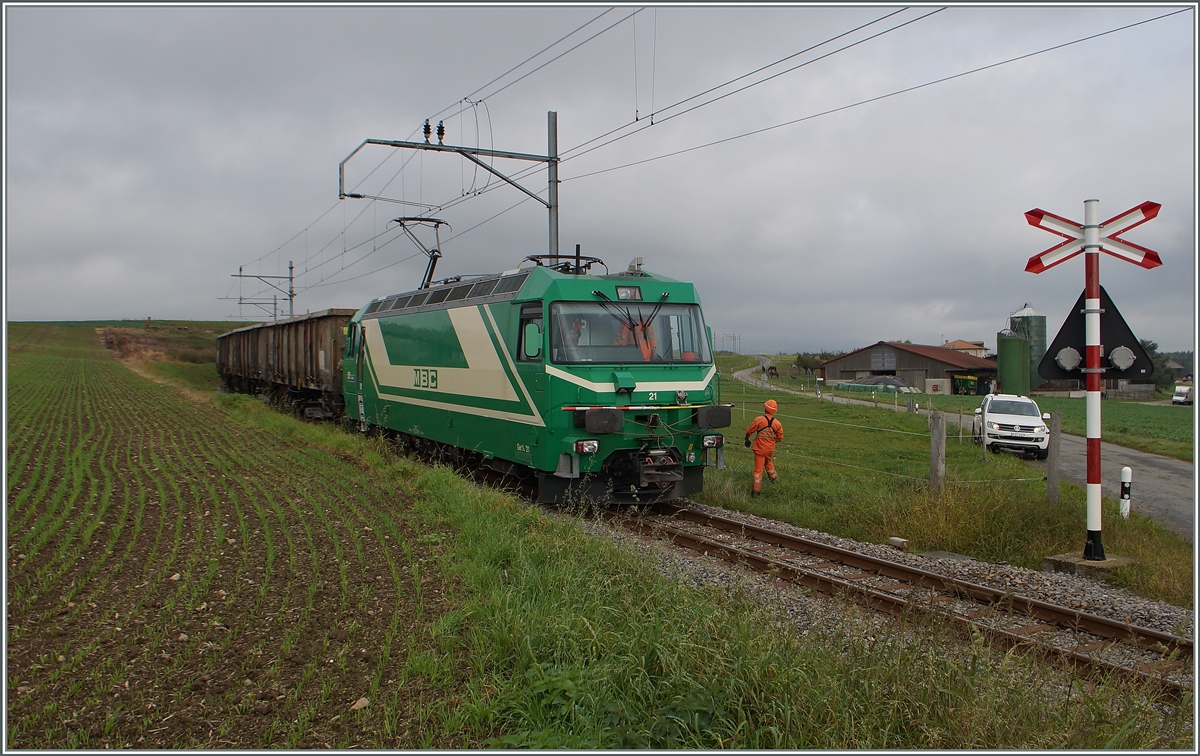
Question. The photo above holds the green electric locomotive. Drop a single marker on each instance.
(602, 387)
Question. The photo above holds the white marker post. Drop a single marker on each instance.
(1088, 239)
(1126, 485)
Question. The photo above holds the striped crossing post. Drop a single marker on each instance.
(1087, 238)
(1093, 550)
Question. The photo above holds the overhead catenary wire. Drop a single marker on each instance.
(374, 249)
(653, 114)
(866, 101)
(368, 273)
(446, 109)
(467, 98)
(566, 154)
(533, 170)
(531, 57)
(560, 55)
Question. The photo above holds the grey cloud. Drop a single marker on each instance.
(151, 151)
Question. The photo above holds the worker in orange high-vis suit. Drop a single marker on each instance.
(642, 334)
(766, 431)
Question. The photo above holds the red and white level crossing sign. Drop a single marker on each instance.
(1110, 241)
(1091, 237)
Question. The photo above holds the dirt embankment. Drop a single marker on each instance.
(137, 348)
(159, 344)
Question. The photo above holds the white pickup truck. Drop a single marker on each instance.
(1015, 423)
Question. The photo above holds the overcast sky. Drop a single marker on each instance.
(150, 152)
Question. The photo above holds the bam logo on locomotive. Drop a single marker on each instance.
(459, 353)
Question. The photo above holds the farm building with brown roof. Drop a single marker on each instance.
(954, 371)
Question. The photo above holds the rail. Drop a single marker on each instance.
(1082, 642)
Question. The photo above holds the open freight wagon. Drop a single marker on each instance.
(294, 361)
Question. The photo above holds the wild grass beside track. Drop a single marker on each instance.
(840, 474)
(488, 622)
(570, 641)
(1151, 427)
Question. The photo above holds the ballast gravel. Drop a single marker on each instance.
(811, 612)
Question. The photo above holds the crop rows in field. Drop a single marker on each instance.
(176, 580)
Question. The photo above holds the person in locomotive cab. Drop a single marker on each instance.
(767, 430)
(575, 331)
(642, 335)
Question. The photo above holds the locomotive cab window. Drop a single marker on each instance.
(530, 349)
(626, 333)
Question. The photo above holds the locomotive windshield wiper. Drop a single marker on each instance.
(654, 313)
(626, 317)
(621, 314)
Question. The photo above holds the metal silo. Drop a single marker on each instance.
(1012, 363)
(1031, 324)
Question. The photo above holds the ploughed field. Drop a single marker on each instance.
(176, 580)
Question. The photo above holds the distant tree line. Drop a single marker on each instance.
(1183, 358)
(1163, 376)
(812, 360)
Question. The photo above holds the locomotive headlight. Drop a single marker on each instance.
(590, 446)
(710, 442)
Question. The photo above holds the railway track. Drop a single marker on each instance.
(1083, 643)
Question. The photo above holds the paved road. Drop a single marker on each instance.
(1163, 487)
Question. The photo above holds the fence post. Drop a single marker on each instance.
(982, 439)
(1052, 458)
(937, 450)
(911, 410)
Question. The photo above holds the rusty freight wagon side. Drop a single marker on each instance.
(294, 361)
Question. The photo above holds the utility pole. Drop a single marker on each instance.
(552, 177)
(273, 303)
(471, 153)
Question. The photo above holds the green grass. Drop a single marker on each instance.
(216, 326)
(568, 641)
(195, 376)
(1152, 428)
(1155, 428)
(840, 477)
(539, 635)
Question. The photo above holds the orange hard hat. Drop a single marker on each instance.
(771, 406)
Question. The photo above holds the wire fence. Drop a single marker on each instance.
(925, 478)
